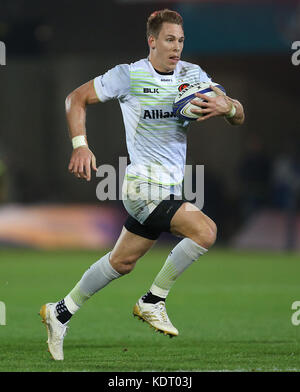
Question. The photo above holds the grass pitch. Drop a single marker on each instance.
(232, 310)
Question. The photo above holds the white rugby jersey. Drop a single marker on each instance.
(155, 138)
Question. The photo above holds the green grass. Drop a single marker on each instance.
(232, 309)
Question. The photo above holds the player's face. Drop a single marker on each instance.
(165, 50)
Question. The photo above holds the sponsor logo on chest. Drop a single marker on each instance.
(157, 113)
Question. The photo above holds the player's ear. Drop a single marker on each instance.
(151, 42)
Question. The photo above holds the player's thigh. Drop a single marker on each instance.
(190, 222)
(130, 247)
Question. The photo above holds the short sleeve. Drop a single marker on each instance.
(114, 84)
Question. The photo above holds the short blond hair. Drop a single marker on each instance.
(157, 18)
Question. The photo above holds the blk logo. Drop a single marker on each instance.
(151, 90)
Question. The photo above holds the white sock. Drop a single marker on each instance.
(180, 258)
(94, 279)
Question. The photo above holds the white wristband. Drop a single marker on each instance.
(232, 112)
(78, 141)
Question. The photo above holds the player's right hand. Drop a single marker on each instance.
(81, 162)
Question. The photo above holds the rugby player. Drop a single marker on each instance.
(156, 142)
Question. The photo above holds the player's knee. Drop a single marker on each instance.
(125, 268)
(124, 265)
(206, 235)
(210, 235)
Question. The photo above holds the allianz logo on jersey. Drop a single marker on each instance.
(157, 113)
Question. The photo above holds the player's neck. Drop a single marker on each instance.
(159, 69)
(163, 73)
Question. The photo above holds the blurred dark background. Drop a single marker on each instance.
(251, 172)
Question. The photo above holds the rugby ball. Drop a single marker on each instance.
(182, 105)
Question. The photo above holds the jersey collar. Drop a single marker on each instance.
(162, 77)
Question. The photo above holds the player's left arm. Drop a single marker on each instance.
(221, 105)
